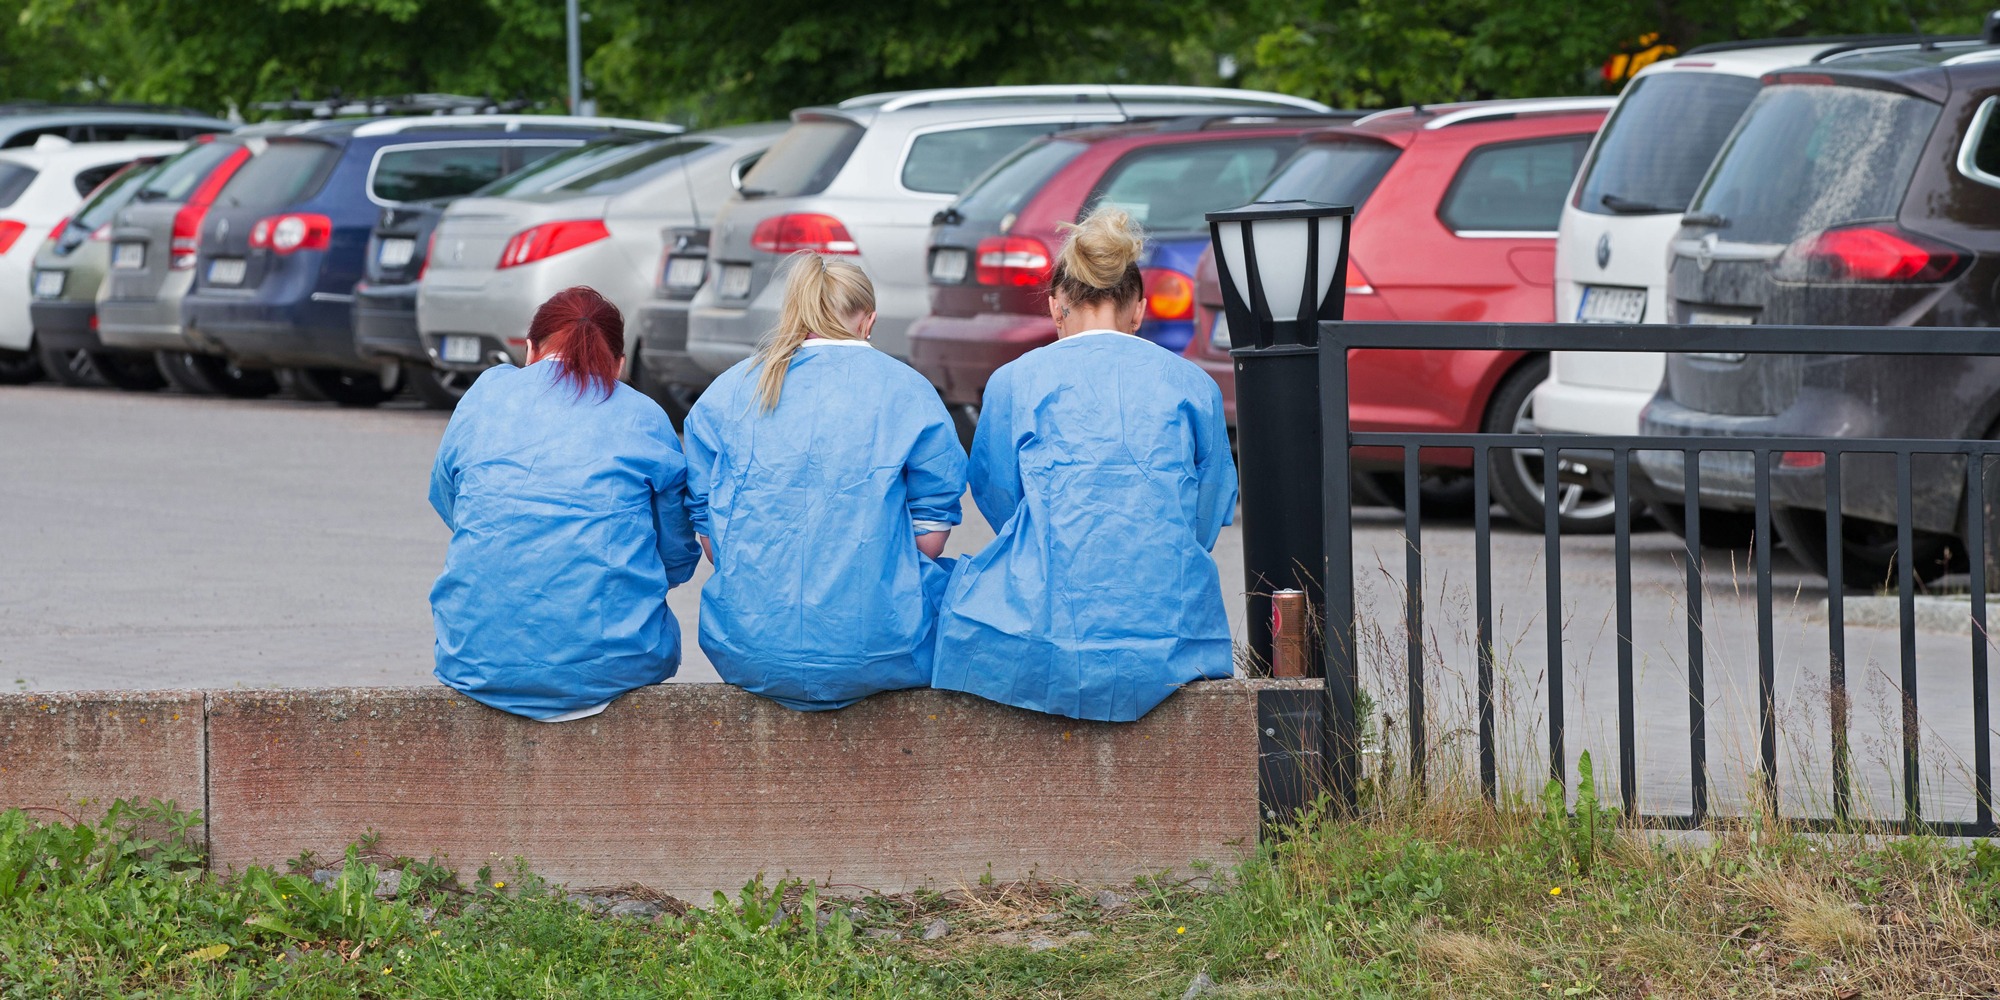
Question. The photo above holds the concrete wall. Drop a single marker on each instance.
(687, 788)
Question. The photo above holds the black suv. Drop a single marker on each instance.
(1855, 192)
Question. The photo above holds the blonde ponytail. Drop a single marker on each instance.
(1099, 259)
(823, 298)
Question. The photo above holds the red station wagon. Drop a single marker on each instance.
(1456, 213)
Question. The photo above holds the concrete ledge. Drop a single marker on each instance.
(691, 788)
(76, 752)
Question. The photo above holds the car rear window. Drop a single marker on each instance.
(945, 162)
(415, 173)
(554, 169)
(804, 160)
(1008, 186)
(1656, 146)
(1168, 189)
(1807, 157)
(280, 175)
(111, 197)
(14, 179)
(627, 172)
(179, 175)
(1337, 172)
(1513, 187)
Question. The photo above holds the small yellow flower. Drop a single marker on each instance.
(499, 885)
(1180, 930)
(387, 970)
(1555, 890)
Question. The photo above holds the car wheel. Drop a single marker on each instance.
(439, 389)
(130, 372)
(1444, 493)
(218, 375)
(1720, 529)
(1867, 548)
(70, 368)
(1516, 474)
(19, 367)
(347, 388)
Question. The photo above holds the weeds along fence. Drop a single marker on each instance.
(1916, 466)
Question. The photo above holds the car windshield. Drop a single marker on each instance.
(1009, 185)
(630, 170)
(1170, 189)
(1342, 171)
(184, 170)
(1809, 157)
(1659, 142)
(553, 170)
(281, 174)
(114, 195)
(804, 160)
(14, 179)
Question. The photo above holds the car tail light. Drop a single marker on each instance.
(551, 238)
(292, 232)
(1357, 282)
(803, 231)
(102, 234)
(1867, 253)
(1012, 261)
(10, 231)
(430, 247)
(1169, 294)
(186, 240)
(55, 235)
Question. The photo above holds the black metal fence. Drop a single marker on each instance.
(1340, 735)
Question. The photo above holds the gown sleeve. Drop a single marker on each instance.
(1215, 468)
(679, 552)
(995, 467)
(934, 474)
(700, 467)
(444, 474)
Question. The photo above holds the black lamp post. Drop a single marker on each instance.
(1282, 266)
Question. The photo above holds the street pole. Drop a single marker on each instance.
(575, 61)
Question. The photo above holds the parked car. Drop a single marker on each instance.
(991, 250)
(1456, 213)
(385, 301)
(1861, 191)
(593, 220)
(864, 178)
(281, 248)
(24, 123)
(39, 187)
(67, 272)
(1611, 250)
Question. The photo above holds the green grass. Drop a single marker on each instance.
(1442, 899)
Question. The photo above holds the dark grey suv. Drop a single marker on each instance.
(1859, 193)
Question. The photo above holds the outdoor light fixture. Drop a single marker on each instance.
(1282, 266)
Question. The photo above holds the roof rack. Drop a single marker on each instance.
(338, 105)
(1925, 42)
(514, 123)
(29, 107)
(1440, 116)
(1077, 93)
(1832, 42)
(1205, 123)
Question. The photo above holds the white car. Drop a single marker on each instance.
(1623, 211)
(39, 186)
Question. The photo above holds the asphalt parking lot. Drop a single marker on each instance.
(164, 541)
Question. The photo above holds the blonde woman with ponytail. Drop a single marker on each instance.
(823, 479)
(1102, 462)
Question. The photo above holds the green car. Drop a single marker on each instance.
(63, 286)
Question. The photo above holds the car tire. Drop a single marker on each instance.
(73, 369)
(1720, 529)
(1445, 494)
(1516, 475)
(129, 372)
(439, 389)
(215, 375)
(1868, 549)
(20, 367)
(342, 387)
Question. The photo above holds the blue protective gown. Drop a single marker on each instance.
(568, 525)
(1104, 464)
(820, 597)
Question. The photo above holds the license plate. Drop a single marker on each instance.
(1218, 337)
(396, 252)
(948, 266)
(735, 283)
(1611, 305)
(128, 256)
(1702, 317)
(686, 273)
(49, 284)
(461, 350)
(226, 270)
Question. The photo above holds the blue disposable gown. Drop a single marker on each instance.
(1103, 462)
(820, 597)
(568, 524)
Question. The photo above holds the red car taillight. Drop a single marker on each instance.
(1169, 294)
(803, 231)
(187, 222)
(547, 240)
(429, 248)
(1867, 253)
(292, 232)
(55, 235)
(1012, 262)
(1357, 282)
(10, 231)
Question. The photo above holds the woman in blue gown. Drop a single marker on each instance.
(1103, 463)
(824, 477)
(565, 493)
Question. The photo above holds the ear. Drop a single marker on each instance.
(1055, 308)
(1136, 316)
(865, 326)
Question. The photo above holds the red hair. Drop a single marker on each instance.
(586, 330)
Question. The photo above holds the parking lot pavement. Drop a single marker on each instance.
(160, 541)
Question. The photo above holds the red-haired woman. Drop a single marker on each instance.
(565, 494)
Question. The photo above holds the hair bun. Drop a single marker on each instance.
(1099, 250)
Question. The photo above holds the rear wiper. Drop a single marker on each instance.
(1626, 206)
(1709, 219)
(750, 192)
(948, 217)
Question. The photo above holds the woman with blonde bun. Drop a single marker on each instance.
(823, 479)
(1103, 463)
